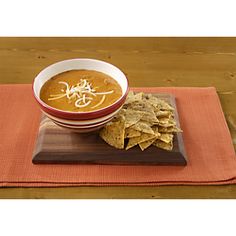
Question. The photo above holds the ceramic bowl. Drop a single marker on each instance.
(81, 121)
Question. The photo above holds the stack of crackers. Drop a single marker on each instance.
(144, 120)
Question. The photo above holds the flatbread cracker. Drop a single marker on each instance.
(146, 144)
(131, 117)
(144, 127)
(166, 122)
(158, 103)
(165, 114)
(142, 106)
(172, 129)
(167, 138)
(131, 133)
(134, 141)
(114, 133)
(163, 145)
(142, 115)
(134, 97)
(149, 117)
(144, 120)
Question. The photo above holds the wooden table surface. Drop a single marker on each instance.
(146, 62)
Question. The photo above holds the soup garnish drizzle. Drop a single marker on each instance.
(81, 91)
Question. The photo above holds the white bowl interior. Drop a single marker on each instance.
(77, 64)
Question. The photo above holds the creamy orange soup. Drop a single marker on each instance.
(80, 91)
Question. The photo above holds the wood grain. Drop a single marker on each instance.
(56, 145)
(147, 62)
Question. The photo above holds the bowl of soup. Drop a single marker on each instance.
(80, 94)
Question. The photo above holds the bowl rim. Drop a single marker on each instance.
(64, 113)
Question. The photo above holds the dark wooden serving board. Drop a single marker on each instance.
(56, 145)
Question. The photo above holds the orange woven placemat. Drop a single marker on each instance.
(211, 156)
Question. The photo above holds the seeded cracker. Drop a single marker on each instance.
(142, 106)
(146, 144)
(158, 103)
(148, 116)
(114, 133)
(163, 145)
(167, 122)
(144, 120)
(133, 97)
(169, 129)
(131, 133)
(134, 141)
(131, 117)
(144, 127)
(166, 138)
(163, 114)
